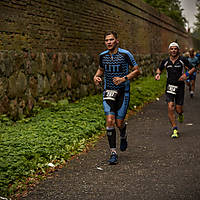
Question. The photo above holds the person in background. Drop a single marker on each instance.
(175, 66)
(198, 56)
(186, 53)
(194, 61)
(114, 64)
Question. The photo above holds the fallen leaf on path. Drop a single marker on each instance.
(189, 124)
(99, 168)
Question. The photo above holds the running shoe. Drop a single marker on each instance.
(181, 118)
(123, 143)
(175, 134)
(113, 158)
(191, 93)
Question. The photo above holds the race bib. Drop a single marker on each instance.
(172, 89)
(110, 95)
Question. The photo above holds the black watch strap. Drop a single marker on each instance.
(126, 78)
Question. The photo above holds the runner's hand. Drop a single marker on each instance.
(118, 80)
(157, 77)
(97, 80)
(183, 77)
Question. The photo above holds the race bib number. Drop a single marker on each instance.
(110, 95)
(172, 89)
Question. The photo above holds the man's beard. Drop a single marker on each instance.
(174, 55)
(113, 48)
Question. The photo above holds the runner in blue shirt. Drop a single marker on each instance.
(114, 64)
(198, 56)
(194, 61)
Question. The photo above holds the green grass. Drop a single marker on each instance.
(57, 133)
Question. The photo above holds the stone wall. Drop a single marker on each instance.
(48, 49)
(78, 25)
(194, 43)
(30, 78)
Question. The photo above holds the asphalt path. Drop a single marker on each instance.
(154, 167)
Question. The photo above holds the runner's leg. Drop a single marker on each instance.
(179, 109)
(122, 127)
(171, 114)
(123, 134)
(192, 87)
(179, 100)
(188, 84)
(111, 132)
(121, 113)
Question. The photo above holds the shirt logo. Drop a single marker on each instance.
(113, 68)
(178, 66)
(169, 66)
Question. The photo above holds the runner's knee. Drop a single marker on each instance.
(110, 122)
(119, 123)
(179, 109)
(170, 107)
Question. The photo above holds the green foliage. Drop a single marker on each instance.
(196, 32)
(56, 133)
(171, 8)
(146, 90)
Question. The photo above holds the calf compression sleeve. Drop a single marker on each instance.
(111, 133)
(123, 131)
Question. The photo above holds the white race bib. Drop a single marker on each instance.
(110, 95)
(172, 89)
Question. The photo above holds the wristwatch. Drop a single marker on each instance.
(126, 78)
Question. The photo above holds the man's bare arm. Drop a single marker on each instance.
(97, 77)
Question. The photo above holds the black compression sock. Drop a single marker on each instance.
(111, 133)
(123, 131)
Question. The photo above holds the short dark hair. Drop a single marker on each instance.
(109, 33)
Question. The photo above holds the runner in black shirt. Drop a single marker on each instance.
(175, 66)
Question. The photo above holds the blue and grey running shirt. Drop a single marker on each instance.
(194, 61)
(116, 65)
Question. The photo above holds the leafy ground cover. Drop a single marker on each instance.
(57, 133)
